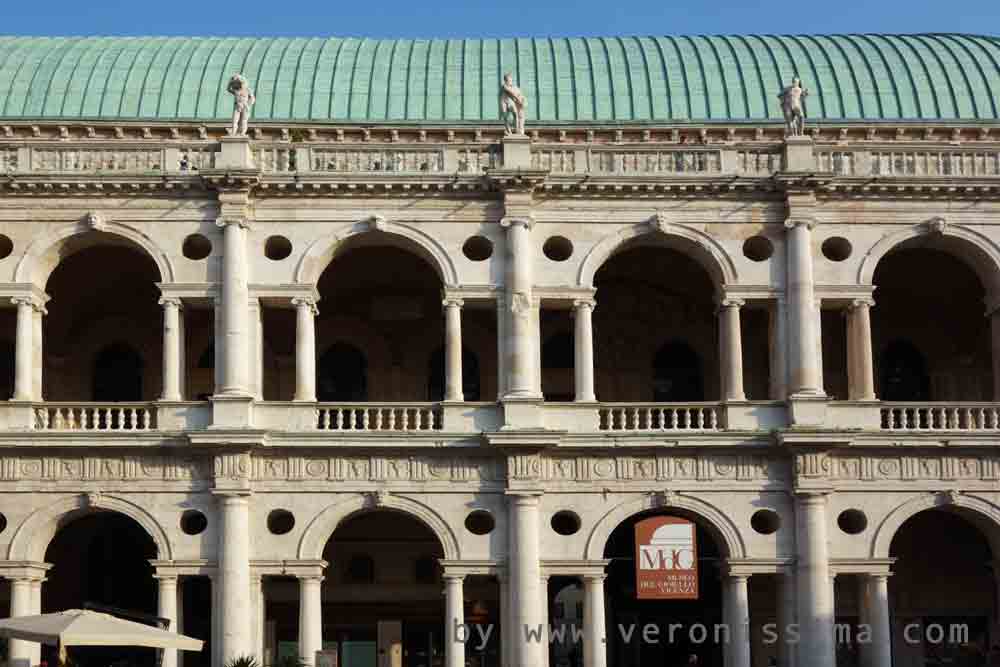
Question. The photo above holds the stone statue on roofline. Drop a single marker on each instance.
(243, 99)
(512, 107)
(793, 105)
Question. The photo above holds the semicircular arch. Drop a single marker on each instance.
(36, 532)
(715, 521)
(688, 240)
(43, 255)
(322, 527)
(323, 250)
(984, 514)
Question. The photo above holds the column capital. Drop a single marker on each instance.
(307, 302)
(794, 221)
(173, 301)
(242, 223)
(581, 303)
(730, 302)
(594, 577)
(812, 496)
(452, 302)
(453, 577)
(526, 221)
(166, 579)
(310, 577)
(34, 302)
(863, 302)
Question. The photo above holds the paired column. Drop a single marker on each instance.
(172, 351)
(861, 376)
(235, 338)
(27, 377)
(583, 338)
(527, 598)
(453, 349)
(522, 331)
(731, 349)
(814, 590)
(804, 363)
(234, 576)
(737, 614)
(310, 617)
(455, 631)
(167, 608)
(595, 651)
(873, 603)
(305, 348)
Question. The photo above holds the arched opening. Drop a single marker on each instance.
(951, 587)
(917, 357)
(101, 558)
(655, 329)
(103, 330)
(117, 374)
(471, 388)
(342, 374)
(626, 610)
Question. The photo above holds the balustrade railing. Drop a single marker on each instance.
(73, 159)
(386, 417)
(275, 160)
(942, 417)
(935, 163)
(376, 160)
(658, 417)
(95, 417)
(556, 160)
(653, 161)
(759, 162)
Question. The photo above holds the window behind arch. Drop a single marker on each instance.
(118, 374)
(342, 374)
(904, 373)
(677, 376)
(471, 388)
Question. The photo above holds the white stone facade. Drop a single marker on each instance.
(797, 452)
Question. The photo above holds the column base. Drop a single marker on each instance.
(522, 413)
(232, 411)
(807, 409)
(17, 415)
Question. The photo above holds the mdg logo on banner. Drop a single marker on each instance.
(666, 559)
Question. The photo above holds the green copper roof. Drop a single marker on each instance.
(619, 79)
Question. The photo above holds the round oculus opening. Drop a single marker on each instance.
(765, 522)
(558, 248)
(6, 246)
(193, 522)
(566, 522)
(836, 248)
(280, 522)
(478, 248)
(758, 248)
(197, 246)
(277, 248)
(480, 522)
(852, 522)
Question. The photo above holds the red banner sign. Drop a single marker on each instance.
(666, 559)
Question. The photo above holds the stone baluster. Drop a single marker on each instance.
(305, 348)
(583, 338)
(453, 391)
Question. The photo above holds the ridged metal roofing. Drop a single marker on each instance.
(619, 79)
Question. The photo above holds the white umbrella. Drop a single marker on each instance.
(82, 627)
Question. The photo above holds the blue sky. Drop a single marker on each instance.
(492, 18)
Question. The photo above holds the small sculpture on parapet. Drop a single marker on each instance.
(512, 107)
(243, 100)
(793, 105)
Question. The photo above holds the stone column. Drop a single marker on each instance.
(22, 653)
(234, 575)
(171, 349)
(310, 617)
(778, 350)
(527, 600)
(731, 350)
(255, 358)
(786, 617)
(861, 378)
(256, 613)
(505, 628)
(813, 590)
(737, 613)
(583, 338)
(874, 598)
(38, 351)
(804, 366)
(454, 617)
(167, 608)
(235, 312)
(595, 650)
(24, 348)
(546, 620)
(521, 330)
(453, 349)
(305, 348)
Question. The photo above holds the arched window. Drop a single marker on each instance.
(677, 374)
(342, 375)
(471, 389)
(904, 373)
(118, 374)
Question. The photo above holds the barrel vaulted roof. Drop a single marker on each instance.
(605, 80)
